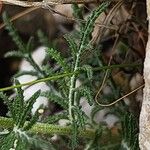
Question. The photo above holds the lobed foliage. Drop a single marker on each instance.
(66, 94)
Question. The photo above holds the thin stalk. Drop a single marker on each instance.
(58, 76)
(44, 128)
(42, 73)
(34, 64)
(50, 129)
(72, 86)
(55, 77)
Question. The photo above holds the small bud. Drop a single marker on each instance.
(41, 111)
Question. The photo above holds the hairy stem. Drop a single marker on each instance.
(44, 128)
(72, 85)
(49, 129)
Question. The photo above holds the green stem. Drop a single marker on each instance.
(44, 128)
(35, 65)
(55, 77)
(72, 86)
(58, 76)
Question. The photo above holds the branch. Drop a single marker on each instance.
(46, 2)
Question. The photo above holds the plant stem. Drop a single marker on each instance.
(44, 128)
(72, 86)
(50, 129)
(58, 76)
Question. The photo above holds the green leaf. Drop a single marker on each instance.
(28, 108)
(59, 59)
(86, 92)
(55, 118)
(32, 121)
(55, 98)
(18, 103)
(13, 33)
(38, 143)
(14, 141)
(72, 45)
(8, 142)
(29, 45)
(129, 133)
(78, 13)
(89, 71)
(87, 30)
(42, 38)
(8, 102)
(48, 70)
(36, 67)
(22, 73)
(95, 143)
(80, 116)
(15, 54)
(74, 137)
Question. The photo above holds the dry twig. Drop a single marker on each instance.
(46, 2)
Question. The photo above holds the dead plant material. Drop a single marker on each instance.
(19, 15)
(121, 98)
(47, 2)
(96, 38)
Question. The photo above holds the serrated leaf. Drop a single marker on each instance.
(86, 92)
(22, 73)
(13, 33)
(36, 67)
(55, 98)
(29, 45)
(80, 116)
(78, 13)
(28, 108)
(18, 103)
(42, 38)
(87, 30)
(38, 143)
(130, 133)
(8, 102)
(74, 137)
(95, 143)
(48, 70)
(72, 45)
(32, 121)
(55, 118)
(59, 59)
(88, 70)
(8, 141)
(14, 54)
